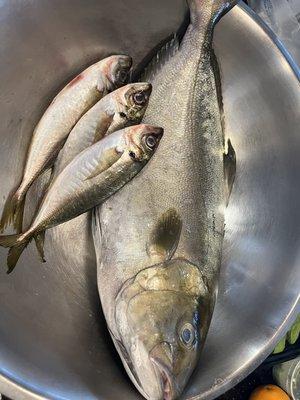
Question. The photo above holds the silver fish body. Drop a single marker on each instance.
(113, 112)
(123, 107)
(185, 177)
(90, 179)
(58, 120)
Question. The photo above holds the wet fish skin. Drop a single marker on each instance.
(58, 120)
(177, 292)
(186, 174)
(90, 179)
(113, 112)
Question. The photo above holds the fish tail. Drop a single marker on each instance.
(16, 243)
(13, 212)
(207, 11)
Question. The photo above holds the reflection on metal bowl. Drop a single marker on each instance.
(53, 339)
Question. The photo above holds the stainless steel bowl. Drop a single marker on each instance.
(53, 340)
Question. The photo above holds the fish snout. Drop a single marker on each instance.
(162, 357)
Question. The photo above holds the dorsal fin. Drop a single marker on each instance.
(164, 54)
(165, 236)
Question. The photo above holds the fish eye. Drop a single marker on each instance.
(188, 335)
(139, 98)
(151, 142)
(122, 115)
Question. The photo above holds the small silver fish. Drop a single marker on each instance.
(173, 222)
(58, 120)
(123, 107)
(91, 178)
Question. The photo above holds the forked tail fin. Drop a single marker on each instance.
(209, 11)
(16, 244)
(13, 212)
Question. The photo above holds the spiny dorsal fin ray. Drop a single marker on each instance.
(165, 236)
(164, 54)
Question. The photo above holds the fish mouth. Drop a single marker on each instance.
(166, 380)
(162, 364)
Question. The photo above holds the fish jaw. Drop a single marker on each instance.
(162, 357)
(155, 377)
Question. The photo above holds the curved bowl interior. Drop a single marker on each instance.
(53, 339)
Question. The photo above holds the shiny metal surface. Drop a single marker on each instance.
(53, 341)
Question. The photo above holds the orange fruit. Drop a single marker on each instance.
(269, 392)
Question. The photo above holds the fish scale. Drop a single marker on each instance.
(77, 189)
(185, 178)
(104, 115)
(55, 125)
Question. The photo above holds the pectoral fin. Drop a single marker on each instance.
(229, 169)
(109, 157)
(165, 236)
(103, 126)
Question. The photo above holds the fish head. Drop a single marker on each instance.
(133, 101)
(162, 317)
(115, 73)
(128, 105)
(141, 141)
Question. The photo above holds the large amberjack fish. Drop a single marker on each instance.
(58, 120)
(90, 179)
(186, 180)
(123, 107)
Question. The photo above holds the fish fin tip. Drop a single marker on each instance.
(39, 239)
(229, 169)
(14, 255)
(16, 243)
(165, 236)
(9, 211)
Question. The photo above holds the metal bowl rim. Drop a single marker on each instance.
(9, 387)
